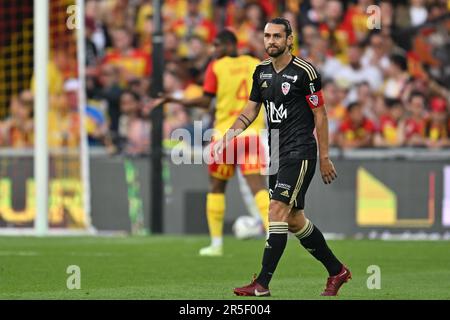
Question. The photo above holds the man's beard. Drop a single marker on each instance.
(277, 53)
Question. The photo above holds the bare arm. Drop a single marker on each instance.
(245, 119)
(326, 166)
(201, 102)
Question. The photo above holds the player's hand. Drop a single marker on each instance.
(327, 170)
(169, 98)
(218, 148)
(152, 104)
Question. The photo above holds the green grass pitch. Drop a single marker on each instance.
(167, 267)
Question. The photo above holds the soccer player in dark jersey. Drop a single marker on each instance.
(290, 89)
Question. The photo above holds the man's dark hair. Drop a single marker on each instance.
(352, 106)
(392, 103)
(135, 96)
(399, 60)
(285, 23)
(227, 37)
(416, 94)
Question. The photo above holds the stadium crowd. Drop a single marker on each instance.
(384, 86)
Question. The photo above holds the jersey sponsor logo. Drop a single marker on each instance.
(283, 186)
(311, 87)
(276, 114)
(285, 87)
(266, 76)
(264, 84)
(293, 78)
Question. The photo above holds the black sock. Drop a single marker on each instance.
(278, 232)
(312, 239)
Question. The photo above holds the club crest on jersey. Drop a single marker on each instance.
(285, 87)
(314, 99)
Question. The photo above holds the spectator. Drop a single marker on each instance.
(133, 129)
(119, 14)
(96, 122)
(193, 24)
(437, 131)
(338, 32)
(63, 118)
(97, 33)
(91, 49)
(364, 66)
(355, 73)
(376, 53)
(198, 58)
(379, 109)
(255, 17)
(365, 97)
(111, 92)
(391, 131)
(416, 121)
(314, 15)
(356, 17)
(412, 15)
(356, 131)
(335, 109)
(309, 35)
(145, 34)
(246, 22)
(175, 114)
(396, 83)
(55, 79)
(176, 9)
(132, 63)
(17, 130)
(170, 47)
(292, 18)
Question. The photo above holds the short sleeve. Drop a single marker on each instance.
(255, 94)
(210, 82)
(312, 85)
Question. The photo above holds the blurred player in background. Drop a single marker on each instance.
(228, 79)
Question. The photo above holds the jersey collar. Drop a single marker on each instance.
(273, 68)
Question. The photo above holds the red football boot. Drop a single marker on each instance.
(253, 289)
(335, 282)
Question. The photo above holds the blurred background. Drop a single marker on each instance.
(386, 90)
